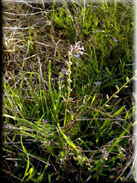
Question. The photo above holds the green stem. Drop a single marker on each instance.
(69, 88)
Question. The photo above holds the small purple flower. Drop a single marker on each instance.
(78, 55)
(64, 71)
(76, 50)
(97, 83)
(44, 121)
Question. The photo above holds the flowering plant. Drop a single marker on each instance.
(75, 51)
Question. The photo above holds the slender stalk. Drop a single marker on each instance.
(69, 85)
(76, 49)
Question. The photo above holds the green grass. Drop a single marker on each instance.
(55, 134)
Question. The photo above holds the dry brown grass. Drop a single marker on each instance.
(31, 49)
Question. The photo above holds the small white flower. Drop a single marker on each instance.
(69, 89)
(70, 63)
(116, 96)
(69, 53)
(69, 71)
(82, 49)
(107, 97)
(117, 87)
(71, 48)
(115, 39)
(69, 80)
(67, 63)
(105, 154)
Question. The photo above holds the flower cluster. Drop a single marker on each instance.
(105, 154)
(76, 50)
(61, 75)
